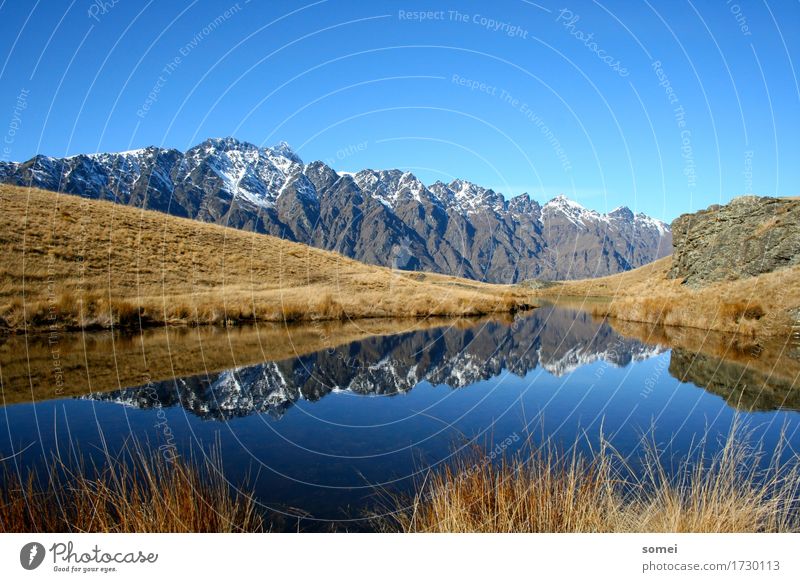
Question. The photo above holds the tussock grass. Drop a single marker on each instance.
(758, 307)
(82, 264)
(549, 491)
(140, 492)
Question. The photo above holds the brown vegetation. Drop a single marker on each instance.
(543, 490)
(762, 306)
(140, 492)
(79, 263)
(549, 491)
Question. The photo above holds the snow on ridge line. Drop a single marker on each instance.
(461, 195)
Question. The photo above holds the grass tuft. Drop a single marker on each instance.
(139, 492)
(547, 490)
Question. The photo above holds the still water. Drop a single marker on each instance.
(323, 419)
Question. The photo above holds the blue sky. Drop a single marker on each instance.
(666, 107)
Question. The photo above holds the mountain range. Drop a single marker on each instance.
(381, 217)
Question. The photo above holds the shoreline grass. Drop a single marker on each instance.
(546, 490)
(537, 490)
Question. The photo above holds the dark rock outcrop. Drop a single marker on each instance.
(749, 236)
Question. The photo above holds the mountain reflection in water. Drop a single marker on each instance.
(557, 340)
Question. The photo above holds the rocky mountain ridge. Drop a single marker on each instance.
(382, 217)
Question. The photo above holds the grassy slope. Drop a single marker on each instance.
(90, 263)
(760, 306)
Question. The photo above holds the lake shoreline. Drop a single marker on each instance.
(225, 323)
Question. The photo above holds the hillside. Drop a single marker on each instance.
(734, 269)
(388, 218)
(72, 262)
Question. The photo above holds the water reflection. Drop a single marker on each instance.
(749, 374)
(557, 340)
(225, 373)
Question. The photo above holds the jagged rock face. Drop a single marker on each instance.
(747, 237)
(557, 340)
(388, 218)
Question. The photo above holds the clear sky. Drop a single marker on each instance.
(664, 106)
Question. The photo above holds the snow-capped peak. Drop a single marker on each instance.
(391, 186)
(574, 212)
(659, 225)
(561, 202)
(283, 149)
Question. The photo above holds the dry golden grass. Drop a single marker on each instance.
(548, 491)
(141, 492)
(759, 306)
(78, 263)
